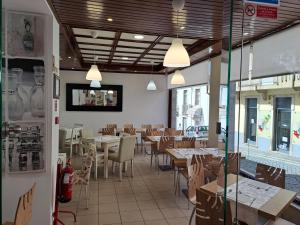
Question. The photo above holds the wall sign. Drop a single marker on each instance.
(262, 11)
(264, 2)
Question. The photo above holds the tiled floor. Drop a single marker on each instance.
(146, 199)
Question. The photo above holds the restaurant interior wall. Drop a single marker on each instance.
(139, 105)
(14, 185)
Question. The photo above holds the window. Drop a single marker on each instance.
(197, 96)
(251, 120)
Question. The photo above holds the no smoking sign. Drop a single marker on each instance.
(250, 10)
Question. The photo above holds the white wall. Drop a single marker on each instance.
(139, 105)
(15, 185)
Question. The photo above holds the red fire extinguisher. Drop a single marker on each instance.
(66, 183)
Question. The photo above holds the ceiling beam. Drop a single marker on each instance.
(114, 46)
(157, 40)
(71, 38)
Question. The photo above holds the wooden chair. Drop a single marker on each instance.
(128, 125)
(146, 126)
(158, 126)
(156, 133)
(111, 125)
(195, 181)
(125, 153)
(130, 131)
(145, 140)
(108, 131)
(164, 143)
(210, 209)
(24, 209)
(170, 132)
(270, 175)
(184, 144)
(74, 139)
(179, 133)
(202, 143)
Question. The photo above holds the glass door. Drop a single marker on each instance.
(283, 124)
(251, 120)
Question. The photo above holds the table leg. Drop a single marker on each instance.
(105, 146)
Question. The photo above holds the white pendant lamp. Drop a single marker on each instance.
(151, 86)
(94, 73)
(177, 78)
(95, 84)
(177, 56)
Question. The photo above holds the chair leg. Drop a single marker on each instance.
(120, 170)
(95, 169)
(132, 168)
(79, 198)
(151, 158)
(113, 167)
(87, 196)
(192, 215)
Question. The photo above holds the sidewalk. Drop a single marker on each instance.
(273, 158)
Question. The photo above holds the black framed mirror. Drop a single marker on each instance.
(82, 97)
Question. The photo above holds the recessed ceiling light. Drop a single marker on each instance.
(246, 34)
(139, 37)
(69, 57)
(125, 58)
(182, 27)
(109, 19)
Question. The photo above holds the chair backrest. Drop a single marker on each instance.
(233, 163)
(83, 177)
(128, 125)
(24, 209)
(166, 142)
(111, 125)
(62, 138)
(156, 133)
(130, 131)
(126, 149)
(78, 125)
(195, 180)
(210, 209)
(270, 175)
(87, 133)
(158, 126)
(76, 132)
(203, 143)
(108, 131)
(88, 146)
(170, 132)
(184, 144)
(146, 126)
(179, 133)
(192, 139)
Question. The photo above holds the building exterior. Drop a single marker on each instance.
(268, 116)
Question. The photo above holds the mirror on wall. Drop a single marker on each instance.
(82, 97)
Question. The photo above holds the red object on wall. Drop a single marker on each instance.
(266, 11)
(56, 120)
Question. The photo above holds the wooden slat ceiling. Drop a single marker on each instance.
(203, 23)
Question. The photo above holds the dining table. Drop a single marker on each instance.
(258, 202)
(107, 141)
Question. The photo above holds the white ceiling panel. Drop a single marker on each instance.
(92, 56)
(185, 41)
(130, 49)
(91, 52)
(101, 33)
(92, 61)
(155, 56)
(133, 44)
(127, 54)
(157, 52)
(122, 58)
(129, 36)
(162, 46)
(95, 41)
(94, 47)
(122, 61)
